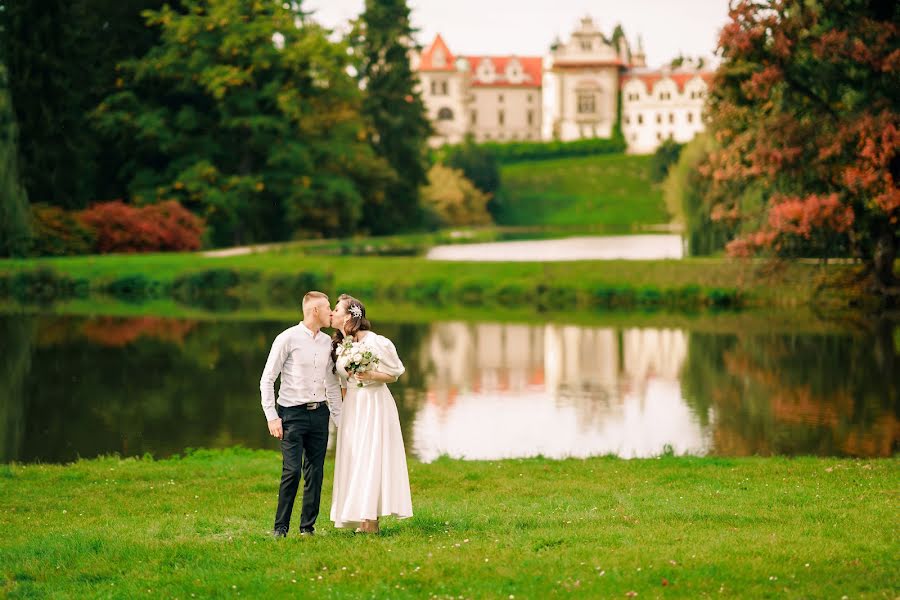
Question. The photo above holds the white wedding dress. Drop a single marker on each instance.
(370, 475)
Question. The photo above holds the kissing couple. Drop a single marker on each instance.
(343, 378)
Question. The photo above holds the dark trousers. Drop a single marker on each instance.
(303, 449)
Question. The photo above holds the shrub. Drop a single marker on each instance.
(121, 227)
(57, 232)
(430, 290)
(511, 152)
(665, 156)
(44, 285)
(210, 289)
(514, 293)
(288, 289)
(454, 199)
(133, 288)
(478, 164)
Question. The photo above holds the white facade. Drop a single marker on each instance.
(586, 80)
(662, 105)
(572, 93)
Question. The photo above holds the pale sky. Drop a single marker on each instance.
(528, 27)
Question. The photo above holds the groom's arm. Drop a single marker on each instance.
(333, 396)
(274, 365)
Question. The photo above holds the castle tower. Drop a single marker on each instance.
(638, 58)
(444, 88)
(585, 71)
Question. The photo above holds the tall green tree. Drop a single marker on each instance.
(245, 112)
(15, 227)
(62, 56)
(399, 126)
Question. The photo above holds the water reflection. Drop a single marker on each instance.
(517, 390)
(73, 387)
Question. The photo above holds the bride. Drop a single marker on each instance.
(370, 476)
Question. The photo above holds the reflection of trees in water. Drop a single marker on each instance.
(146, 385)
(796, 394)
(16, 339)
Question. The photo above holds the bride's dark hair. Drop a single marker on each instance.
(353, 325)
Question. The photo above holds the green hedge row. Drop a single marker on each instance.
(511, 152)
(226, 289)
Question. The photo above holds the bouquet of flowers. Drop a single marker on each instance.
(356, 357)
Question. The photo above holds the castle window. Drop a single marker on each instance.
(474, 117)
(500, 98)
(500, 117)
(586, 103)
(445, 114)
(530, 117)
(671, 117)
(658, 136)
(690, 117)
(438, 88)
(640, 119)
(585, 44)
(529, 97)
(627, 120)
(659, 118)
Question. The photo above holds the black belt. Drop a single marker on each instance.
(306, 405)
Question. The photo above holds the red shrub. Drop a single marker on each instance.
(121, 227)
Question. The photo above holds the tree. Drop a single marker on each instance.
(15, 228)
(245, 113)
(479, 164)
(393, 108)
(804, 108)
(62, 56)
(665, 156)
(454, 199)
(686, 194)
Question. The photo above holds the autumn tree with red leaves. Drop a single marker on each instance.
(805, 108)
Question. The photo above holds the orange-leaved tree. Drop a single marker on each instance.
(804, 110)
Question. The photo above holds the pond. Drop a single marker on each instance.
(628, 247)
(80, 387)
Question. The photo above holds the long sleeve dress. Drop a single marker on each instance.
(370, 474)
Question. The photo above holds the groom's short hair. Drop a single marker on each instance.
(311, 296)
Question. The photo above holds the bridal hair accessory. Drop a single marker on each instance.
(356, 311)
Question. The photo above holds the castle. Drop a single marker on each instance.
(572, 93)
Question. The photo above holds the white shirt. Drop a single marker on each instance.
(304, 362)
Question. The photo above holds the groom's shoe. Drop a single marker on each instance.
(279, 533)
(306, 532)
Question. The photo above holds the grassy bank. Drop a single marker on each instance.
(613, 191)
(672, 527)
(682, 284)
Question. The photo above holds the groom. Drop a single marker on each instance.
(309, 393)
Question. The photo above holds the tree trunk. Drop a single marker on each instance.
(883, 257)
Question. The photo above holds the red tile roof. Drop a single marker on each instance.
(532, 68)
(426, 63)
(592, 64)
(652, 78)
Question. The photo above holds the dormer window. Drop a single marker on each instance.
(586, 45)
(486, 70)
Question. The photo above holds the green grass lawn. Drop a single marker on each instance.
(604, 527)
(607, 190)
